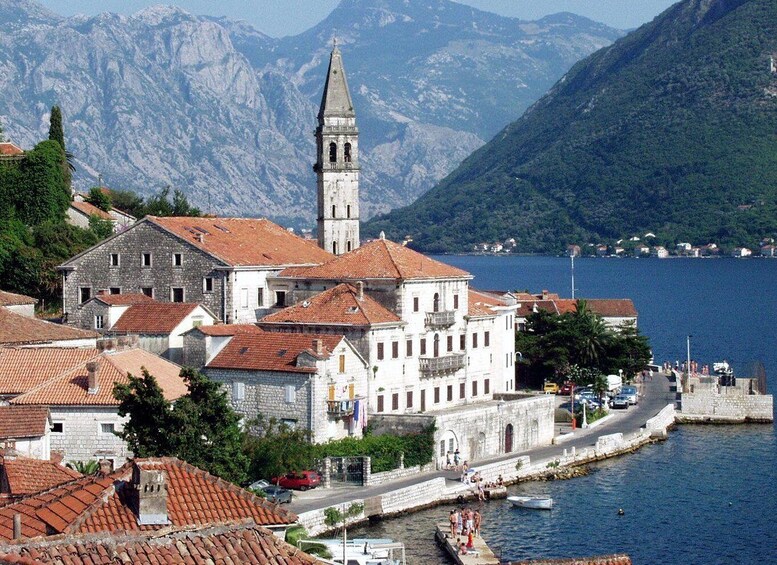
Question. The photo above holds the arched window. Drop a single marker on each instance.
(348, 211)
(347, 153)
(348, 246)
(436, 302)
(436, 345)
(509, 438)
(333, 152)
(334, 248)
(334, 211)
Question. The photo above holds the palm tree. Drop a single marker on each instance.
(590, 333)
(600, 387)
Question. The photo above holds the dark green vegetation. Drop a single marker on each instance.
(203, 429)
(578, 346)
(670, 130)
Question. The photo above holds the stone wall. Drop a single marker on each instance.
(395, 474)
(82, 438)
(701, 406)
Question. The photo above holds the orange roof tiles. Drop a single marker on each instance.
(90, 210)
(612, 307)
(339, 305)
(244, 241)
(604, 307)
(13, 299)
(153, 317)
(22, 370)
(378, 259)
(69, 385)
(241, 542)
(16, 329)
(482, 304)
(18, 422)
(271, 351)
(123, 299)
(105, 503)
(8, 149)
(25, 475)
(226, 329)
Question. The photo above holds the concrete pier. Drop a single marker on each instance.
(481, 554)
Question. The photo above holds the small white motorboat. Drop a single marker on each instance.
(360, 551)
(534, 502)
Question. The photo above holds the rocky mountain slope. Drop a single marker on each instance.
(225, 113)
(670, 130)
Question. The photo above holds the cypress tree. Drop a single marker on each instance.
(55, 126)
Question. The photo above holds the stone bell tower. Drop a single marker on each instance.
(337, 163)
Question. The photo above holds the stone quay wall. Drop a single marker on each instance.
(726, 408)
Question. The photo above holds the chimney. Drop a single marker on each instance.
(120, 343)
(359, 290)
(92, 367)
(318, 346)
(106, 467)
(544, 294)
(151, 495)
(200, 237)
(17, 526)
(57, 457)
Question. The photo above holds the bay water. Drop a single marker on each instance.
(708, 494)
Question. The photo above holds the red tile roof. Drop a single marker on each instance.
(378, 259)
(17, 422)
(16, 329)
(483, 304)
(8, 149)
(612, 307)
(25, 475)
(241, 542)
(90, 210)
(70, 386)
(337, 306)
(13, 299)
(22, 370)
(105, 503)
(226, 329)
(606, 308)
(271, 351)
(245, 241)
(153, 317)
(123, 299)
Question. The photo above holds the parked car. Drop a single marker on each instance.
(631, 393)
(258, 485)
(302, 480)
(277, 494)
(620, 401)
(550, 388)
(583, 393)
(567, 388)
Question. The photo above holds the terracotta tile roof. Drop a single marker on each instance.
(271, 351)
(12, 299)
(153, 317)
(8, 149)
(339, 305)
(483, 304)
(105, 503)
(90, 210)
(71, 385)
(602, 560)
(123, 299)
(226, 329)
(528, 307)
(612, 307)
(16, 329)
(25, 475)
(18, 422)
(605, 307)
(22, 370)
(241, 542)
(378, 259)
(245, 241)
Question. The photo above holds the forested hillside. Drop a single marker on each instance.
(671, 130)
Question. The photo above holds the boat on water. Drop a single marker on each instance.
(360, 551)
(533, 502)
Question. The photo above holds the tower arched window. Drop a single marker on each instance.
(334, 211)
(333, 152)
(334, 248)
(436, 345)
(348, 211)
(347, 153)
(348, 246)
(436, 302)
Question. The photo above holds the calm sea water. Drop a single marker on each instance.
(708, 494)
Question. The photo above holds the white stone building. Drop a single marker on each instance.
(26, 430)
(315, 382)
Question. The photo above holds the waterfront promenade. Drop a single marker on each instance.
(655, 395)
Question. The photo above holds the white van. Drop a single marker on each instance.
(614, 382)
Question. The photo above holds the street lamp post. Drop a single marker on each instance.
(688, 364)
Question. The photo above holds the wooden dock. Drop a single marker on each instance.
(479, 555)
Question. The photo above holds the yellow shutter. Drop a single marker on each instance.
(331, 392)
(342, 363)
(350, 391)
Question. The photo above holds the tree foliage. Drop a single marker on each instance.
(100, 198)
(57, 133)
(200, 427)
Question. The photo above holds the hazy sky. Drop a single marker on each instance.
(289, 17)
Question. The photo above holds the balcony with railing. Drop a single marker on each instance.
(339, 408)
(443, 319)
(432, 366)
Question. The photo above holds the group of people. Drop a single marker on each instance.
(464, 522)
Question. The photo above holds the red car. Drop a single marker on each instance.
(298, 481)
(567, 388)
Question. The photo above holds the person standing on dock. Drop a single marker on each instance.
(477, 519)
(452, 520)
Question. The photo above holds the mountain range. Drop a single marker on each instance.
(670, 130)
(225, 113)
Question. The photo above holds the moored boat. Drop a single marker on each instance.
(534, 502)
(360, 551)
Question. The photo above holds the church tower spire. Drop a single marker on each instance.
(337, 163)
